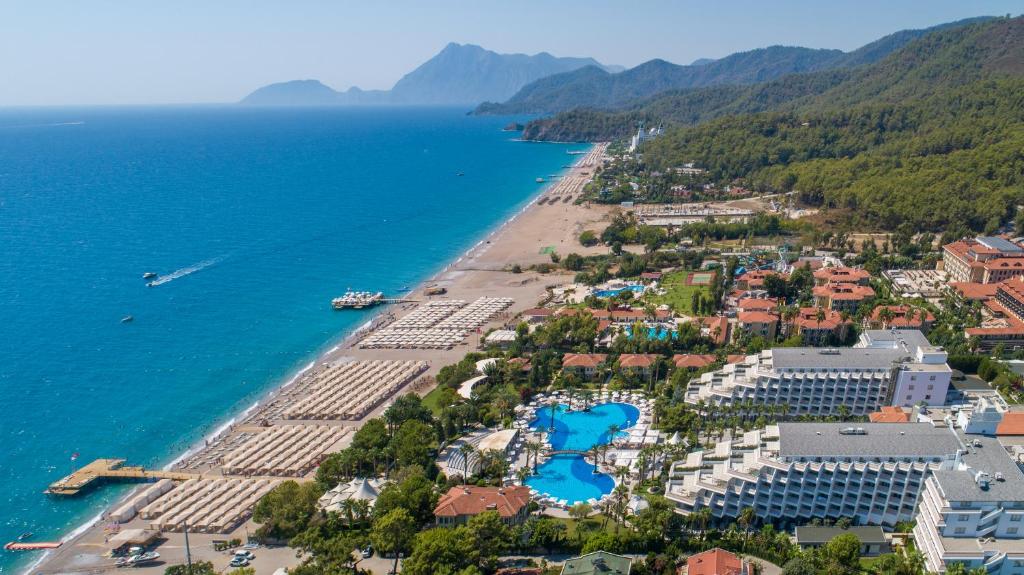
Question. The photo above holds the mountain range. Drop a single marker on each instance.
(460, 74)
(591, 87)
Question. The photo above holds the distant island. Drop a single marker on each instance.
(513, 127)
(461, 74)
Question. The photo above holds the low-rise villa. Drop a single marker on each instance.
(463, 502)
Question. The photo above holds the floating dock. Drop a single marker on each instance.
(110, 469)
(19, 546)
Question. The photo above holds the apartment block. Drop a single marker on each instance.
(886, 367)
(870, 472)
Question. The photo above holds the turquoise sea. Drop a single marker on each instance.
(258, 217)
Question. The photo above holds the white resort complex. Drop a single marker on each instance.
(974, 512)
(871, 472)
(886, 367)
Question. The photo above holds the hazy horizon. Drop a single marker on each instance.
(59, 52)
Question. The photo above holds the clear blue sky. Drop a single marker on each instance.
(176, 51)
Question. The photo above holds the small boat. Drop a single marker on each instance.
(148, 275)
(460, 174)
(137, 560)
(25, 535)
(540, 180)
(127, 319)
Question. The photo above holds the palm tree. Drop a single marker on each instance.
(348, 510)
(746, 520)
(613, 430)
(534, 448)
(466, 450)
(522, 473)
(703, 517)
(361, 509)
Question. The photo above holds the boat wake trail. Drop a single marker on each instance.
(186, 271)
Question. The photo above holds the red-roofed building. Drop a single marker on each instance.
(830, 328)
(638, 364)
(974, 291)
(757, 304)
(1012, 424)
(701, 360)
(584, 365)
(754, 279)
(1006, 322)
(757, 323)
(842, 296)
(902, 317)
(841, 274)
(715, 562)
(715, 328)
(889, 414)
(651, 276)
(983, 260)
(460, 503)
(693, 360)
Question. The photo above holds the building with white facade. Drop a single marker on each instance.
(886, 367)
(796, 472)
(973, 513)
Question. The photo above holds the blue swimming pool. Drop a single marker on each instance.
(614, 292)
(569, 476)
(654, 333)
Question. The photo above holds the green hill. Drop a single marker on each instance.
(930, 137)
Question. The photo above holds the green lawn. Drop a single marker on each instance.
(590, 525)
(432, 400)
(678, 294)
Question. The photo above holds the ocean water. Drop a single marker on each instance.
(570, 476)
(254, 220)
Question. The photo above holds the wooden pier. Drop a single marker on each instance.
(110, 469)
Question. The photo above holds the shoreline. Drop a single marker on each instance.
(341, 346)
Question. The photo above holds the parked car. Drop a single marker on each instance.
(367, 552)
(237, 561)
(245, 554)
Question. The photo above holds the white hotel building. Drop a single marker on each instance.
(886, 367)
(974, 512)
(871, 472)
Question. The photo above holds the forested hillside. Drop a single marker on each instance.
(932, 135)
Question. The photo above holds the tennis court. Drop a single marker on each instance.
(700, 278)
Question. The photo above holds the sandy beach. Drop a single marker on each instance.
(552, 222)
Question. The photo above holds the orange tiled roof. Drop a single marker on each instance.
(843, 291)
(757, 317)
(974, 291)
(714, 562)
(889, 414)
(637, 359)
(583, 359)
(693, 360)
(899, 315)
(472, 500)
(1012, 424)
(842, 274)
(757, 304)
(807, 318)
